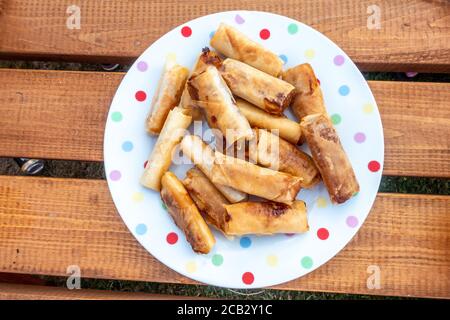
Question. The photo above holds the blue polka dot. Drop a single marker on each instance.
(344, 90)
(127, 146)
(245, 242)
(284, 58)
(141, 229)
(211, 34)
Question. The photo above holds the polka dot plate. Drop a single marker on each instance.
(250, 261)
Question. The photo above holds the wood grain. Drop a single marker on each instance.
(48, 224)
(414, 34)
(61, 115)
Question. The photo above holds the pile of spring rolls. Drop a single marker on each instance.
(241, 91)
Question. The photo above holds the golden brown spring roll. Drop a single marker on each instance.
(161, 156)
(185, 214)
(210, 202)
(330, 158)
(287, 129)
(234, 44)
(167, 95)
(264, 91)
(273, 152)
(309, 98)
(203, 157)
(265, 218)
(252, 179)
(208, 90)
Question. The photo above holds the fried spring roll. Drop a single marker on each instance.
(208, 90)
(273, 152)
(331, 160)
(210, 202)
(287, 129)
(203, 157)
(264, 91)
(234, 44)
(185, 214)
(309, 98)
(266, 218)
(252, 179)
(161, 156)
(167, 95)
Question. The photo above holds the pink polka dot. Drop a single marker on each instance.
(239, 19)
(145, 164)
(374, 166)
(339, 60)
(289, 234)
(115, 175)
(140, 96)
(172, 238)
(142, 66)
(360, 137)
(318, 81)
(186, 31)
(323, 234)
(352, 221)
(264, 34)
(248, 278)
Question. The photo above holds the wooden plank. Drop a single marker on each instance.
(413, 35)
(67, 221)
(62, 114)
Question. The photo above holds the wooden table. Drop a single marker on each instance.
(47, 224)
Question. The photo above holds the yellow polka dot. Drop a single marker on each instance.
(191, 267)
(368, 108)
(309, 54)
(171, 56)
(321, 202)
(272, 260)
(137, 196)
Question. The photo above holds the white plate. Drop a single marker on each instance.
(247, 262)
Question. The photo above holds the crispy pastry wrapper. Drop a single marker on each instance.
(266, 92)
(252, 179)
(236, 45)
(266, 218)
(203, 157)
(330, 158)
(287, 129)
(161, 156)
(167, 95)
(309, 98)
(208, 91)
(185, 214)
(273, 152)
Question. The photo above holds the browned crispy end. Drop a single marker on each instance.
(279, 103)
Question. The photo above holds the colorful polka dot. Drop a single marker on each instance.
(186, 31)
(217, 260)
(289, 234)
(359, 137)
(239, 19)
(352, 221)
(336, 119)
(145, 164)
(321, 202)
(368, 108)
(142, 66)
(245, 242)
(264, 34)
(307, 262)
(339, 60)
(116, 116)
(172, 238)
(248, 278)
(141, 229)
(355, 194)
(310, 53)
(344, 90)
(284, 58)
(292, 28)
(140, 96)
(272, 260)
(374, 166)
(318, 81)
(323, 234)
(127, 146)
(115, 175)
(211, 34)
(163, 205)
(191, 267)
(137, 197)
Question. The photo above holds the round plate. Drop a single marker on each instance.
(250, 261)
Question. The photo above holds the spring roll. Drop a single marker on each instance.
(185, 214)
(266, 218)
(161, 156)
(287, 129)
(309, 98)
(273, 152)
(252, 179)
(330, 158)
(203, 157)
(266, 92)
(210, 202)
(234, 44)
(167, 95)
(208, 90)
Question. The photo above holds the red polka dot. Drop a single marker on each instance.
(140, 96)
(186, 31)
(264, 34)
(172, 238)
(318, 81)
(248, 278)
(145, 164)
(374, 166)
(323, 234)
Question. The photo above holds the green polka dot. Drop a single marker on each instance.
(116, 116)
(307, 262)
(336, 119)
(163, 205)
(217, 260)
(292, 28)
(355, 194)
